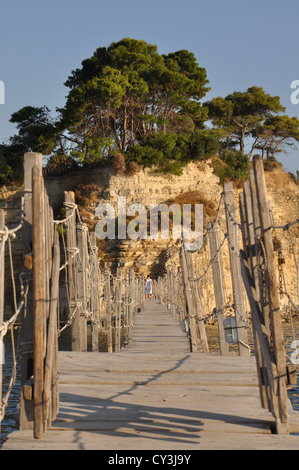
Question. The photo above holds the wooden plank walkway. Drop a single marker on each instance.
(156, 395)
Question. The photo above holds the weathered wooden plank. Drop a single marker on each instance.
(118, 308)
(130, 302)
(275, 313)
(249, 246)
(74, 310)
(26, 345)
(2, 279)
(142, 399)
(218, 283)
(94, 281)
(197, 303)
(38, 295)
(190, 306)
(159, 439)
(81, 288)
(50, 372)
(107, 295)
(235, 268)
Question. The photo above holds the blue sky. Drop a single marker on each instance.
(240, 43)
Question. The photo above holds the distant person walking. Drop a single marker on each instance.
(148, 287)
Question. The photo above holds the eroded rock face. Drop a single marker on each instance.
(283, 194)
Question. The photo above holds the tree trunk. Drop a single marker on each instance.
(242, 138)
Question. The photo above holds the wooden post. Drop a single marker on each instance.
(51, 373)
(259, 326)
(235, 267)
(142, 281)
(260, 278)
(47, 256)
(27, 337)
(55, 282)
(189, 303)
(182, 303)
(38, 303)
(165, 286)
(108, 310)
(275, 313)
(82, 286)
(175, 290)
(160, 290)
(162, 294)
(126, 308)
(118, 309)
(2, 280)
(218, 284)
(131, 305)
(197, 304)
(249, 244)
(141, 292)
(74, 310)
(169, 289)
(94, 296)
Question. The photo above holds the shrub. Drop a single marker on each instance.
(6, 173)
(119, 163)
(60, 163)
(171, 152)
(85, 193)
(11, 165)
(132, 168)
(232, 165)
(196, 197)
(270, 163)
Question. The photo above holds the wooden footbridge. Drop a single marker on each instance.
(157, 385)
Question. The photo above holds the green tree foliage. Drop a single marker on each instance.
(278, 133)
(170, 151)
(129, 101)
(36, 129)
(126, 94)
(233, 165)
(35, 134)
(6, 173)
(243, 115)
(250, 120)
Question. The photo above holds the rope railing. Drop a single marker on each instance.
(286, 226)
(209, 263)
(88, 261)
(60, 256)
(7, 325)
(257, 280)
